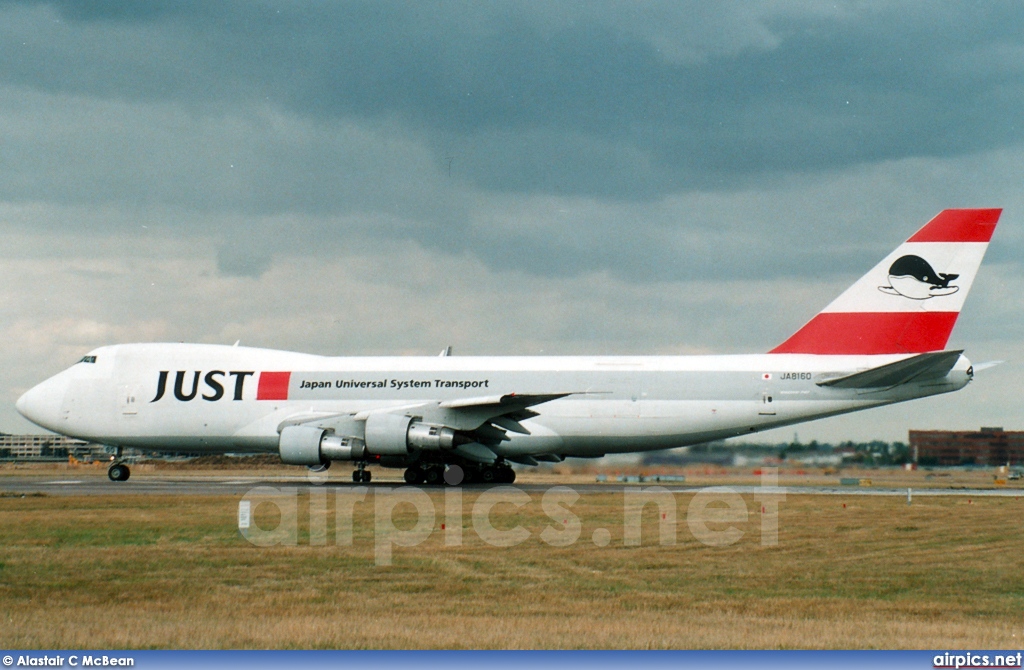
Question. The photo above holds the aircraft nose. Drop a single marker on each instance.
(41, 404)
(22, 404)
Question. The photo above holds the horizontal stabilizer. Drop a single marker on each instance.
(987, 365)
(934, 365)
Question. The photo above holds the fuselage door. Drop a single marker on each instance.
(127, 399)
(766, 399)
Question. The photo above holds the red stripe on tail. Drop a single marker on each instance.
(959, 225)
(273, 386)
(857, 333)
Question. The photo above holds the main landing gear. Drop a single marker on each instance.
(362, 475)
(492, 474)
(435, 474)
(432, 474)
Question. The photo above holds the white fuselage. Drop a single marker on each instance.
(213, 398)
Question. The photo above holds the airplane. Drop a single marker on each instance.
(465, 419)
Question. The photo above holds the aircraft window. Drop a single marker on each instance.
(88, 359)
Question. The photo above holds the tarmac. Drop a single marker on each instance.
(180, 484)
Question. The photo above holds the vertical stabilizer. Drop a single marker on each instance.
(909, 302)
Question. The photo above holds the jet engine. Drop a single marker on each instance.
(393, 435)
(306, 445)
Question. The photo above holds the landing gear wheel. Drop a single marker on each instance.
(118, 472)
(366, 476)
(454, 475)
(433, 476)
(489, 475)
(413, 476)
(508, 476)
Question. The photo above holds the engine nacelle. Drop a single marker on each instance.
(431, 438)
(306, 445)
(386, 435)
(342, 448)
(396, 435)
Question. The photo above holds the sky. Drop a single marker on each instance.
(534, 177)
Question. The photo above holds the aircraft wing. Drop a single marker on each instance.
(922, 367)
(486, 420)
(498, 413)
(483, 421)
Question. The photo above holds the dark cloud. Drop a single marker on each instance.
(235, 259)
(119, 10)
(278, 128)
(583, 107)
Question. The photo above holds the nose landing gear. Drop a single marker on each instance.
(118, 471)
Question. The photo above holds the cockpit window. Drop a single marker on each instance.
(88, 359)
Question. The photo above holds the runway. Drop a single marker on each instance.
(197, 485)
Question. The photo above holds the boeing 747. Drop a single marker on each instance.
(468, 418)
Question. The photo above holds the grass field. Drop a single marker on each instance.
(153, 572)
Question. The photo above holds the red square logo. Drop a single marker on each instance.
(273, 386)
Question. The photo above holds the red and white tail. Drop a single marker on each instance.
(909, 302)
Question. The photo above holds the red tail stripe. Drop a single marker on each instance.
(959, 225)
(854, 333)
(273, 386)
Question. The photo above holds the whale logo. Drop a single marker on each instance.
(913, 277)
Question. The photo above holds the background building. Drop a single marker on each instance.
(988, 446)
(43, 446)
